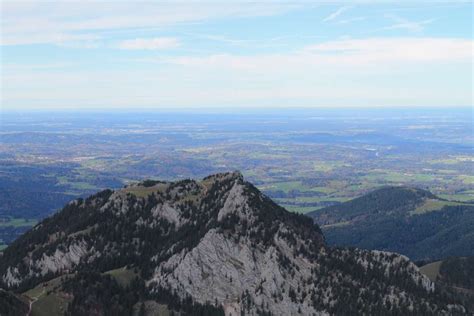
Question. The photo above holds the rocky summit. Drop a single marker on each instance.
(211, 247)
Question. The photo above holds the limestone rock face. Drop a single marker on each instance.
(222, 269)
(217, 241)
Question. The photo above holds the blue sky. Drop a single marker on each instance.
(211, 54)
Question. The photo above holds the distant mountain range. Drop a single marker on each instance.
(409, 221)
(212, 247)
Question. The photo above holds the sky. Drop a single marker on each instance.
(235, 54)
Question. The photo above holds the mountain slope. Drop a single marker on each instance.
(454, 276)
(205, 247)
(409, 221)
(12, 305)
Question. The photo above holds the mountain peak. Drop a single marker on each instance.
(225, 176)
(218, 241)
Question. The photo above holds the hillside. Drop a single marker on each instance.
(454, 276)
(409, 221)
(12, 305)
(211, 247)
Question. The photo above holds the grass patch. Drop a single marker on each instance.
(299, 199)
(325, 166)
(458, 197)
(50, 304)
(18, 222)
(287, 186)
(431, 270)
(466, 179)
(452, 160)
(299, 209)
(83, 232)
(431, 205)
(48, 300)
(153, 308)
(44, 287)
(308, 199)
(143, 192)
(82, 186)
(399, 177)
(74, 184)
(340, 224)
(123, 276)
(325, 190)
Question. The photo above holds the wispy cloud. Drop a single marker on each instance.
(351, 20)
(396, 50)
(344, 73)
(13, 67)
(55, 22)
(404, 24)
(336, 13)
(224, 39)
(343, 53)
(277, 41)
(220, 63)
(149, 43)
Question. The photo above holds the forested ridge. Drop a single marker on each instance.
(409, 221)
(210, 247)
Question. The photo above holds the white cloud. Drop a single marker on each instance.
(371, 71)
(181, 87)
(350, 72)
(59, 21)
(373, 52)
(404, 49)
(149, 43)
(336, 13)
